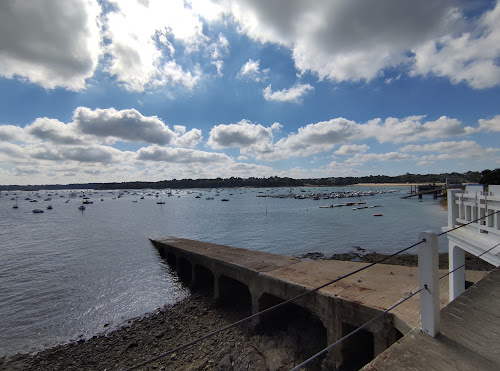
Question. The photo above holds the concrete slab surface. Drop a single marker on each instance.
(469, 339)
(256, 261)
(379, 286)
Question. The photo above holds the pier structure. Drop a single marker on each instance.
(478, 237)
(261, 280)
(435, 190)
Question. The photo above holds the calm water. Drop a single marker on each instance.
(65, 274)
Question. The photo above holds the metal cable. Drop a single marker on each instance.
(210, 334)
(401, 301)
(269, 309)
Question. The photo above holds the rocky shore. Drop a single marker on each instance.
(409, 260)
(240, 348)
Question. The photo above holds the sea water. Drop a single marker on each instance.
(68, 275)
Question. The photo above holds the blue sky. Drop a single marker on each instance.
(98, 91)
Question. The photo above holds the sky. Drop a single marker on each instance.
(146, 90)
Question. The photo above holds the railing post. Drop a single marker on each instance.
(452, 207)
(428, 276)
(456, 259)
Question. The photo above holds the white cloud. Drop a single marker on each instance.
(52, 44)
(128, 125)
(312, 138)
(361, 158)
(10, 152)
(251, 70)
(218, 64)
(12, 133)
(55, 131)
(344, 40)
(171, 72)
(350, 149)
(220, 48)
(490, 125)
(243, 134)
(187, 139)
(465, 149)
(294, 94)
(462, 146)
(470, 57)
(180, 155)
(140, 36)
(411, 128)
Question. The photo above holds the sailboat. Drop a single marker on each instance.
(161, 193)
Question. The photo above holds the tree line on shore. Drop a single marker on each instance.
(484, 177)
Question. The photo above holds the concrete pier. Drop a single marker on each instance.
(262, 280)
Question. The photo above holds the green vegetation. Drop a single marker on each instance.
(484, 177)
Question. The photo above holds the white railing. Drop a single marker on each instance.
(478, 212)
(473, 203)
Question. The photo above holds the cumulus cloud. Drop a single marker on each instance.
(252, 71)
(490, 125)
(350, 149)
(361, 158)
(11, 133)
(37, 44)
(218, 65)
(219, 48)
(313, 138)
(140, 35)
(464, 145)
(411, 128)
(294, 94)
(356, 40)
(128, 125)
(186, 139)
(10, 152)
(243, 134)
(180, 155)
(340, 41)
(470, 57)
(55, 131)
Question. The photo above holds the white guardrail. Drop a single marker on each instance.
(473, 203)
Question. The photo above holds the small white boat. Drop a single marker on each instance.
(37, 211)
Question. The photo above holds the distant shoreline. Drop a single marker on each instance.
(392, 184)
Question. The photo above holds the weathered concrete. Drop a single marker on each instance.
(469, 339)
(341, 307)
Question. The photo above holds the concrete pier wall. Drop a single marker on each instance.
(260, 279)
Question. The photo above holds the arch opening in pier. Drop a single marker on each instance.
(293, 327)
(184, 270)
(203, 279)
(234, 293)
(357, 350)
